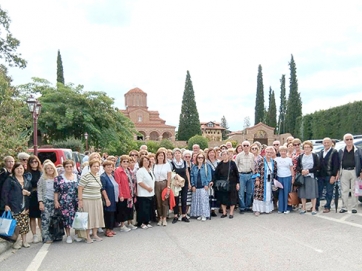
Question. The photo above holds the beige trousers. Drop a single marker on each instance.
(162, 205)
(348, 177)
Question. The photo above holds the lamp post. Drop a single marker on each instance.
(34, 107)
(86, 140)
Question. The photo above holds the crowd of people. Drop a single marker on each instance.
(139, 189)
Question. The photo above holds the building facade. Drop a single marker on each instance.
(212, 130)
(147, 123)
(259, 132)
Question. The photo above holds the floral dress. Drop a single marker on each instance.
(68, 197)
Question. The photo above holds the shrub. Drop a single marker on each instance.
(198, 139)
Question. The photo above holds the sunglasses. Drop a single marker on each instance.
(296, 144)
(275, 144)
(349, 139)
(187, 156)
(34, 162)
(246, 146)
(24, 160)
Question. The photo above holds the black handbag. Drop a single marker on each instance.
(223, 185)
(299, 180)
(56, 226)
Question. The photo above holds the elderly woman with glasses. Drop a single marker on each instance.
(201, 176)
(125, 205)
(308, 165)
(35, 169)
(265, 173)
(227, 170)
(65, 195)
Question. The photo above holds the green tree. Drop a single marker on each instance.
(60, 72)
(271, 117)
(189, 124)
(259, 101)
(166, 143)
(225, 125)
(8, 43)
(70, 111)
(198, 139)
(283, 106)
(294, 104)
(14, 118)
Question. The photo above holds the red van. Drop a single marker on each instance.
(57, 156)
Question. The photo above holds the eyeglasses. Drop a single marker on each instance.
(200, 157)
(246, 146)
(125, 161)
(275, 144)
(34, 162)
(187, 156)
(349, 139)
(24, 160)
(296, 144)
(254, 149)
(133, 154)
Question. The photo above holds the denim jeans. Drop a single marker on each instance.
(324, 182)
(284, 192)
(246, 191)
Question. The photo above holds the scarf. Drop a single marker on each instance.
(271, 172)
(178, 164)
(132, 188)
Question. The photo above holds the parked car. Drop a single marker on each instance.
(57, 156)
(77, 160)
(356, 142)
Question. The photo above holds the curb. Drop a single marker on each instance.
(4, 246)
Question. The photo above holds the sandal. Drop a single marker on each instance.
(109, 234)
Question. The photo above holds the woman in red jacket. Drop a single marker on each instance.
(125, 204)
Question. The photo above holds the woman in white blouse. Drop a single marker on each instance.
(145, 193)
(162, 172)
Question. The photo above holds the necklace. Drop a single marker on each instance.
(159, 172)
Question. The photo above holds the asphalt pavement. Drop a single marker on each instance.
(268, 242)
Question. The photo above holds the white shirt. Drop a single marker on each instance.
(86, 169)
(161, 170)
(325, 152)
(283, 166)
(143, 176)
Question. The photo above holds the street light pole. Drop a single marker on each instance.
(86, 140)
(34, 107)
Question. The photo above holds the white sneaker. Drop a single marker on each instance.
(35, 239)
(199, 218)
(287, 212)
(188, 217)
(76, 238)
(132, 227)
(124, 229)
(18, 244)
(100, 230)
(180, 218)
(203, 219)
(149, 226)
(69, 240)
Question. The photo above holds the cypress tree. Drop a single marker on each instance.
(60, 73)
(224, 124)
(259, 102)
(271, 118)
(294, 104)
(283, 106)
(189, 123)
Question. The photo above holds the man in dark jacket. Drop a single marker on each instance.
(350, 169)
(329, 166)
(4, 174)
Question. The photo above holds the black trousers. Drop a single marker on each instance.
(144, 210)
(109, 218)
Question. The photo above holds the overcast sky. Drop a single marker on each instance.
(116, 45)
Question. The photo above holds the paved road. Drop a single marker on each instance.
(269, 242)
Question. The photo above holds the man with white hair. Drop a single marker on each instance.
(350, 169)
(229, 145)
(245, 163)
(328, 169)
(195, 148)
(143, 148)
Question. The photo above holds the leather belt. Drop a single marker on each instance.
(249, 172)
(348, 168)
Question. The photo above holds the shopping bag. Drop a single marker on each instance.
(358, 187)
(7, 224)
(56, 226)
(80, 221)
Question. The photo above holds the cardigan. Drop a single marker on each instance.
(315, 164)
(121, 178)
(12, 194)
(108, 186)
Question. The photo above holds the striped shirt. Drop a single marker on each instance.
(92, 186)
